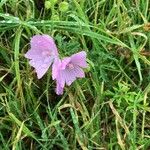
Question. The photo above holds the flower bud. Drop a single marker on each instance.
(48, 4)
(63, 6)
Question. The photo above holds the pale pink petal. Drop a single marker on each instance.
(79, 59)
(59, 89)
(32, 54)
(68, 76)
(78, 72)
(41, 65)
(55, 68)
(65, 62)
(42, 53)
(60, 84)
(61, 79)
(67, 70)
(43, 42)
(41, 46)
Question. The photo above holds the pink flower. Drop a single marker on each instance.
(42, 53)
(67, 70)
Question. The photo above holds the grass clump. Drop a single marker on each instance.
(109, 109)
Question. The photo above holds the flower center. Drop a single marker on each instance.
(70, 66)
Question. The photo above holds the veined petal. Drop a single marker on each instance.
(59, 89)
(79, 59)
(65, 62)
(69, 76)
(43, 42)
(41, 65)
(56, 68)
(61, 78)
(42, 53)
(78, 72)
(32, 54)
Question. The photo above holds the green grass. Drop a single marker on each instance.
(107, 110)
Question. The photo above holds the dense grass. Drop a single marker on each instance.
(109, 109)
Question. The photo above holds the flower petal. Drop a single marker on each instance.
(61, 79)
(69, 76)
(43, 42)
(42, 53)
(41, 46)
(55, 68)
(41, 65)
(33, 54)
(78, 72)
(65, 62)
(59, 89)
(79, 59)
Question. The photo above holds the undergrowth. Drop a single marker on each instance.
(109, 109)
